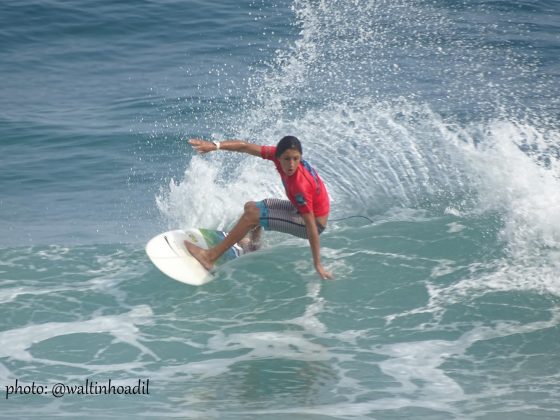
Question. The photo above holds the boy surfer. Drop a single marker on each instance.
(304, 214)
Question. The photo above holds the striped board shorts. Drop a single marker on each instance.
(281, 216)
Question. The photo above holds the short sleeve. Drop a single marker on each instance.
(268, 152)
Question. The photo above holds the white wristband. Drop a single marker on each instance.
(217, 143)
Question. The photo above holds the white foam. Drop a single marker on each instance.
(417, 366)
(524, 187)
(420, 361)
(12, 293)
(123, 327)
(309, 321)
(213, 198)
(517, 182)
(452, 211)
(455, 227)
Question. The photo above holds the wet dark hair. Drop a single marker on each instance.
(288, 142)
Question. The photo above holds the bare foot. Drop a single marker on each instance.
(252, 242)
(200, 254)
(245, 245)
(255, 237)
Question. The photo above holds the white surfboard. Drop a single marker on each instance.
(169, 254)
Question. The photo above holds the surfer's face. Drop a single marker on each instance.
(289, 161)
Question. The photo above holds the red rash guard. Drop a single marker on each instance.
(305, 190)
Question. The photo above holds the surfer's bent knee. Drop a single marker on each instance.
(252, 212)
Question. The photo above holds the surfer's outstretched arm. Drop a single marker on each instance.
(313, 235)
(203, 146)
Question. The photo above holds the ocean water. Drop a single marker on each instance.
(437, 120)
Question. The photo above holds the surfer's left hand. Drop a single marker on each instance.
(325, 275)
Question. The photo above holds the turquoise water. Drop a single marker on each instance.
(437, 120)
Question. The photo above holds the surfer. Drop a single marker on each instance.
(304, 214)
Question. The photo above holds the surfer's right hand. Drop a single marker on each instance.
(202, 146)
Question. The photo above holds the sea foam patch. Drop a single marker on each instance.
(123, 328)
